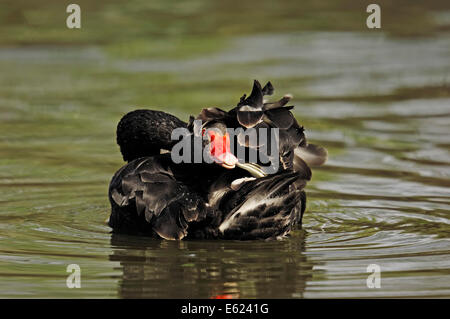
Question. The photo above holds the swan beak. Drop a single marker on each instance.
(220, 150)
(227, 160)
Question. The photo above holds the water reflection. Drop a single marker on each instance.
(211, 269)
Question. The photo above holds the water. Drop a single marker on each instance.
(380, 105)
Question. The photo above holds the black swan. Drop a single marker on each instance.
(228, 198)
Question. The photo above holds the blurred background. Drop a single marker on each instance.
(378, 99)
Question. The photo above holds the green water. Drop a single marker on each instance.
(378, 100)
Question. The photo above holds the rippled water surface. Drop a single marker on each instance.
(381, 106)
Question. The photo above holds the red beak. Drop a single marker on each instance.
(220, 149)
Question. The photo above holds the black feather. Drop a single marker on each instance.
(268, 89)
(280, 103)
(255, 99)
(150, 197)
(249, 117)
(265, 208)
(280, 117)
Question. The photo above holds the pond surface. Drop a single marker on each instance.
(380, 105)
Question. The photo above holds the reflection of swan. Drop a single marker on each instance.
(208, 269)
